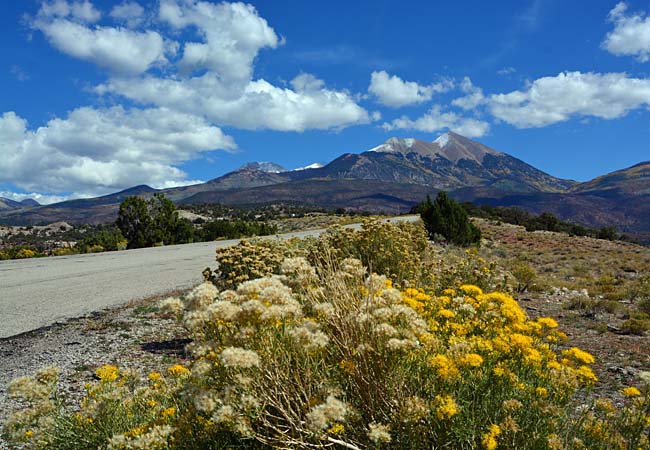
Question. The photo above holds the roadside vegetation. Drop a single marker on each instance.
(543, 222)
(364, 339)
(147, 223)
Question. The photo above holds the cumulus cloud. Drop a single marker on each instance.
(43, 199)
(550, 100)
(436, 120)
(117, 49)
(130, 13)
(631, 34)
(81, 11)
(208, 80)
(233, 34)
(260, 106)
(103, 150)
(394, 92)
(474, 95)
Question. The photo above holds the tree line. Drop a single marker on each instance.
(147, 223)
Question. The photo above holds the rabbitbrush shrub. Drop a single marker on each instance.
(331, 355)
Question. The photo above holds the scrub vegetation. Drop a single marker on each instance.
(364, 339)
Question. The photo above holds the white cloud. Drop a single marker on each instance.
(550, 100)
(631, 34)
(261, 105)
(128, 12)
(120, 50)
(473, 98)
(394, 92)
(506, 71)
(85, 11)
(43, 199)
(81, 11)
(95, 151)
(233, 34)
(436, 120)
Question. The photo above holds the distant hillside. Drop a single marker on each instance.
(634, 180)
(6, 203)
(392, 177)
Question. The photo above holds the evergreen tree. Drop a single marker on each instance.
(135, 223)
(147, 223)
(447, 218)
(164, 219)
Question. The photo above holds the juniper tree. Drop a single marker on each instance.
(447, 218)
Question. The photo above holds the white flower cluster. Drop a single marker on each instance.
(156, 438)
(239, 358)
(390, 320)
(299, 272)
(309, 336)
(379, 434)
(321, 416)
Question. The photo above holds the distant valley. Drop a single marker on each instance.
(392, 177)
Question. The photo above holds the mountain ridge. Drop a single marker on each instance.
(391, 176)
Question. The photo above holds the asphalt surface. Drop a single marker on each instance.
(35, 293)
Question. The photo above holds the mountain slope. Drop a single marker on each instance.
(450, 162)
(633, 180)
(84, 210)
(393, 176)
(6, 204)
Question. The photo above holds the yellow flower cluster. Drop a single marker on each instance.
(489, 440)
(107, 373)
(310, 347)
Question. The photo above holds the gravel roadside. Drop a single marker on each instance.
(133, 336)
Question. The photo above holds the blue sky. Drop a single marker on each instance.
(99, 96)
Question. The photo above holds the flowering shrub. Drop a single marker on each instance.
(329, 354)
(454, 266)
(251, 259)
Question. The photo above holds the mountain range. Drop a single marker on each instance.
(6, 204)
(392, 177)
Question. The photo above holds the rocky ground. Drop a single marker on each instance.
(134, 336)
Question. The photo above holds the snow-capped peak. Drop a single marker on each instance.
(442, 140)
(311, 166)
(393, 144)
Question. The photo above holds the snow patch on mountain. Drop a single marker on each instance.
(311, 166)
(442, 140)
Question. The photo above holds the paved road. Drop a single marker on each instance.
(38, 292)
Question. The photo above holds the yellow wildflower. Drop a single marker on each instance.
(347, 366)
(107, 373)
(631, 392)
(153, 376)
(447, 314)
(178, 371)
(445, 367)
(489, 441)
(446, 407)
(169, 412)
(472, 360)
(579, 355)
(547, 322)
(586, 374)
(541, 392)
(336, 429)
(471, 290)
